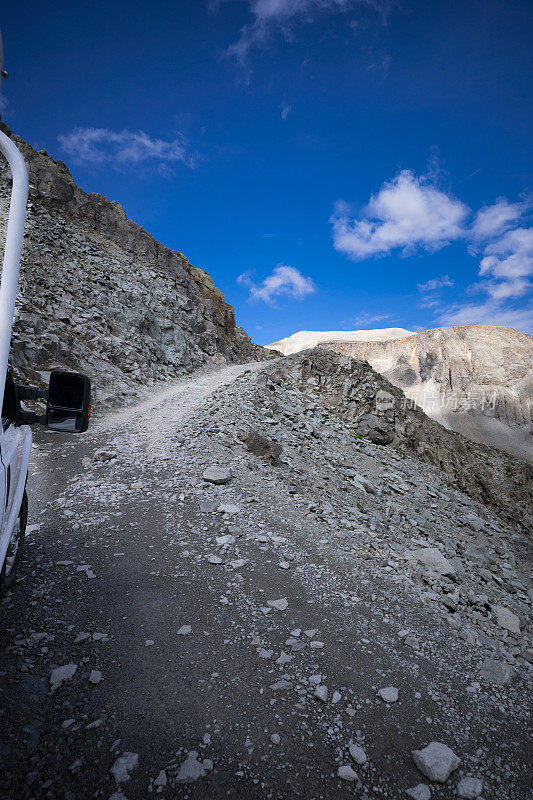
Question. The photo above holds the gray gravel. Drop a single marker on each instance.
(206, 712)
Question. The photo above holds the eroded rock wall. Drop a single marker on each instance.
(98, 293)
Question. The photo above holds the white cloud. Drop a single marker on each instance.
(435, 283)
(101, 145)
(491, 312)
(505, 289)
(493, 220)
(285, 111)
(270, 16)
(510, 256)
(411, 212)
(368, 319)
(283, 280)
(407, 212)
(430, 301)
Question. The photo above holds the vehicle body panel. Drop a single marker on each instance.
(15, 447)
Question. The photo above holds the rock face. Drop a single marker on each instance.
(475, 380)
(99, 294)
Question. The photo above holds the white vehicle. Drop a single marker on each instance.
(67, 397)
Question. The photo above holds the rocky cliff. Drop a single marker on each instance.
(98, 293)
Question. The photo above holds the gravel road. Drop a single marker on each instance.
(223, 645)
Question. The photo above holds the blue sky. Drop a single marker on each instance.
(333, 164)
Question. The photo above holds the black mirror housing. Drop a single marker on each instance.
(69, 402)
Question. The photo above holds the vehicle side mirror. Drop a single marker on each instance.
(68, 406)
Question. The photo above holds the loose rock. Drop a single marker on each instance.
(436, 761)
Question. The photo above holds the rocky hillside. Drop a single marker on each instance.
(475, 380)
(352, 390)
(99, 294)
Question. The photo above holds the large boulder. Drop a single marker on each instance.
(376, 429)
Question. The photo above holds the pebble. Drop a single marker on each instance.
(389, 694)
(122, 767)
(433, 558)
(506, 619)
(321, 693)
(470, 787)
(191, 769)
(346, 773)
(279, 605)
(419, 792)
(62, 674)
(95, 676)
(495, 672)
(357, 753)
(184, 630)
(217, 475)
(436, 761)
(161, 779)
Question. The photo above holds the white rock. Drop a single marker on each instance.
(161, 779)
(224, 540)
(283, 658)
(217, 475)
(321, 693)
(433, 558)
(389, 694)
(61, 674)
(419, 792)
(228, 508)
(436, 761)
(122, 767)
(214, 559)
(346, 773)
(470, 787)
(357, 753)
(184, 630)
(95, 676)
(495, 672)
(506, 619)
(336, 696)
(191, 769)
(279, 605)
(275, 738)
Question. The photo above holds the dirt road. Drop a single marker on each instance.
(220, 648)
